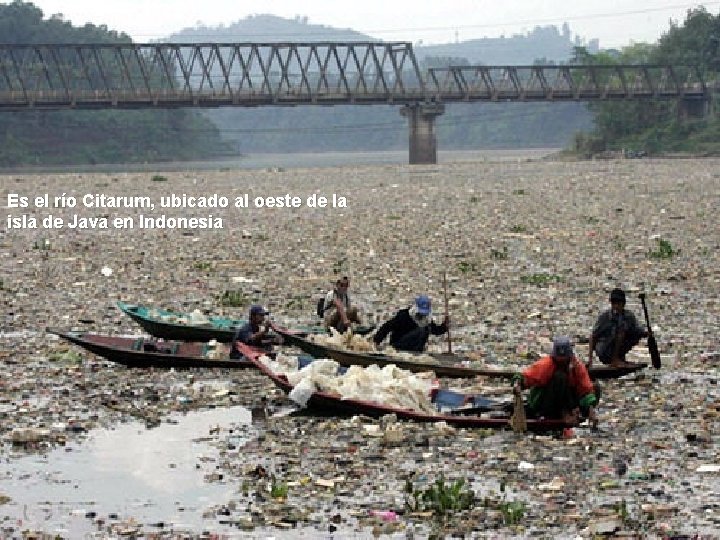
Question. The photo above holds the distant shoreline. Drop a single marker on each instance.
(292, 160)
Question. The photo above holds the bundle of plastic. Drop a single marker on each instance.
(194, 318)
(410, 357)
(390, 386)
(346, 340)
(282, 364)
(198, 317)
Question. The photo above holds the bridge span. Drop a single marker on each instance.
(170, 75)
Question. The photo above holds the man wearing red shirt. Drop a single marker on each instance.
(560, 386)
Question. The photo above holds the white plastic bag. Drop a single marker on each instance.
(302, 392)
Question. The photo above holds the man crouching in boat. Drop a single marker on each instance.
(560, 386)
(337, 312)
(255, 332)
(411, 327)
(616, 331)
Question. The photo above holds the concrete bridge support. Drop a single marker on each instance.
(693, 108)
(421, 130)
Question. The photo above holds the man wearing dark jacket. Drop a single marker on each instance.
(255, 332)
(411, 327)
(616, 331)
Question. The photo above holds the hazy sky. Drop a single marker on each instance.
(614, 22)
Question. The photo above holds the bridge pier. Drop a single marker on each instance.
(693, 108)
(421, 131)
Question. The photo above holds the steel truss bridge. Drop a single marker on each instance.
(166, 75)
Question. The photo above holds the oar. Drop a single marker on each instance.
(651, 343)
(447, 312)
(518, 420)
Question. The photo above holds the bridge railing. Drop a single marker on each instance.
(317, 73)
(209, 74)
(565, 82)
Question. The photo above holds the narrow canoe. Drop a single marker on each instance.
(146, 353)
(446, 366)
(166, 324)
(460, 410)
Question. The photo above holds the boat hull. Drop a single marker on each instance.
(329, 404)
(446, 366)
(167, 354)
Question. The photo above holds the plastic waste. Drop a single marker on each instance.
(302, 392)
(385, 515)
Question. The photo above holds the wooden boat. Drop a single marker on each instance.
(167, 324)
(446, 366)
(145, 353)
(454, 408)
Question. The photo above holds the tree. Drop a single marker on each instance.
(653, 126)
(34, 137)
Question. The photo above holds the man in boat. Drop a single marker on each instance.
(616, 331)
(560, 386)
(411, 327)
(255, 332)
(337, 311)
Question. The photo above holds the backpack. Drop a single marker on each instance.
(320, 310)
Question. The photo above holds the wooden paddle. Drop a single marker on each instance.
(447, 311)
(651, 343)
(518, 421)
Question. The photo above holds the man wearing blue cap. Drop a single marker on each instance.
(411, 327)
(255, 332)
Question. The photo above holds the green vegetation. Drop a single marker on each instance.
(520, 229)
(500, 254)
(467, 267)
(339, 265)
(203, 266)
(664, 250)
(621, 509)
(278, 489)
(159, 178)
(232, 299)
(439, 497)
(512, 511)
(638, 128)
(89, 137)
(66, 356)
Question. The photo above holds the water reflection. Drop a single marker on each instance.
(155, 475)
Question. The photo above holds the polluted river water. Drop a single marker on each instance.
(157, 476)
(531, 249)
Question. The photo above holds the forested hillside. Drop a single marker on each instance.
(74, 137)
(65, 137)
(657, 127)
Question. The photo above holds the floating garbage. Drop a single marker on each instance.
(531, 249)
